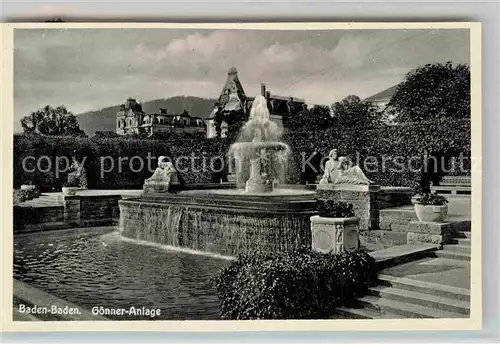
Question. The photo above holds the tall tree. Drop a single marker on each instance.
(352, 112)
(432, 91)
(52, 121)
(316, 118)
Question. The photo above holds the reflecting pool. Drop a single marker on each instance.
(93, 270)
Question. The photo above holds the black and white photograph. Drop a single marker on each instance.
(190, 172)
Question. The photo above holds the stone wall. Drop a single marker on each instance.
(30, 216)
(402, 224)
(428, 232)
(397, 219)
(367, 200)
(73, 211)
(87, 211)
(381, 239)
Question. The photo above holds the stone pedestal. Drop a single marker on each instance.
(362, 197)
(334, 235)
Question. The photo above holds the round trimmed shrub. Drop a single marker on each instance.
(300, 284)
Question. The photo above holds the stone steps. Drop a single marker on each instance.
(402, 253)
(457, 248)
(401, 297)
(365, 313)
(453, 255)
(410, 284)
(462, 234)
(422, 299)
(451, 190)
(405, 309)
(460, 241)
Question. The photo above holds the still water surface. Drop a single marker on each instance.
(102, 270)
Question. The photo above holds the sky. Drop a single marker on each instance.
(88, 69)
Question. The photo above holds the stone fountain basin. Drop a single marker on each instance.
(280, 200)
(260, 145)
(226, 222)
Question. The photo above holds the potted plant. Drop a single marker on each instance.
(335, 229)
(430, 207)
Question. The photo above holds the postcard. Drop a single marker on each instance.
(241, 177)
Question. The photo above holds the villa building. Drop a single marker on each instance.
(382, 99)
(233, 101)
(131, 119)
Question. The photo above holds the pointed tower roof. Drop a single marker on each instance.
(231, 88)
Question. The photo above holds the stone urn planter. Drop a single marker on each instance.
(431, 213)
(335, 229)
(334, 235)
(431, 208)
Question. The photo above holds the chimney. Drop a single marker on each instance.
(263, 90)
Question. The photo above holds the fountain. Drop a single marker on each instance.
(258, 214)
(260, 158)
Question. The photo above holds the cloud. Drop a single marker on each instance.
(91, 69)
(207, 46)
(280, 54)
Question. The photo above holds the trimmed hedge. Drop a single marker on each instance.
(389, 146)
(300, 284)
(103, 156)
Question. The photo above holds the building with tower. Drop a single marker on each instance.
(131, 119)
(234, 102)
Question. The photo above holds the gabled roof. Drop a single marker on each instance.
(232, 86)
(387, 93)
(213, 113)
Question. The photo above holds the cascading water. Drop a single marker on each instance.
(227, 221)
(260, 158)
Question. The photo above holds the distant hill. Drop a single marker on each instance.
(105, 119)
